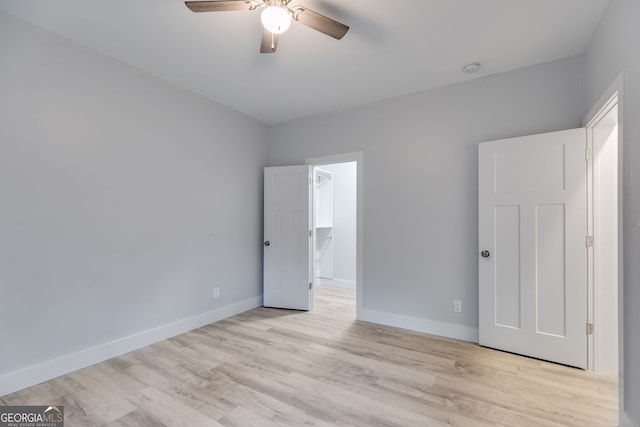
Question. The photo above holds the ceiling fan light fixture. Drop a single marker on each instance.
(276, 19)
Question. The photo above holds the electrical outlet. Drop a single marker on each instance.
(216, 292)
(457, 305)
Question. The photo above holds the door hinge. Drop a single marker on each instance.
(310, 233)
(589, 241)
(588, 155)
(589, 328)
(310, 286)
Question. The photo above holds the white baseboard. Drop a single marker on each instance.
(26, 377)
(449, 330)
(626, 421)
(338, 283)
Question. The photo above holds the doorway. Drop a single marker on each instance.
(288, 234)
(603, 244)
(334, 225)
(336, 248)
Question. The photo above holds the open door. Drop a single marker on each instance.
(287, 240)
(533, 246)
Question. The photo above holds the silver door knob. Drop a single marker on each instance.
(267, 243)
(485, 254)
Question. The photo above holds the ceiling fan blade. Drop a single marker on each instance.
(319, 22)
(269, 42)
(218, 6)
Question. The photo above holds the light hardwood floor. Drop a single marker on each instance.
(271, 367)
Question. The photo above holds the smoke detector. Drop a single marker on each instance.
(471, 68)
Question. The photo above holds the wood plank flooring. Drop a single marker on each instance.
(270, 367)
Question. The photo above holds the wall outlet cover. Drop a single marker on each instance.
(457, 305)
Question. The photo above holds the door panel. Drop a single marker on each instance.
(533, 222)
(508, 271)
(519, 170)
(286, 237)
(550, 270)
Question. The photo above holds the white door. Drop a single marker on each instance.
(533, 253)
(287, 272)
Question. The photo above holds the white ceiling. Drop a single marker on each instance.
(393, 47)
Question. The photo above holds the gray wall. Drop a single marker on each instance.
(123, 200)
(420, 177)
(615, 49)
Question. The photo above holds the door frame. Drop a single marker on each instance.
(344, 158)
(612, 97)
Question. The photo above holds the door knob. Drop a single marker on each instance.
(267, 243)
(485, 254)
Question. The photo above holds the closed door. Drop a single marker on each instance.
(287, 273)
(533, 246)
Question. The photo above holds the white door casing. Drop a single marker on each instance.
(533, 223)
(287, 272)
(602, 137)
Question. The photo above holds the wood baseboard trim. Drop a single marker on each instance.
(26, 377)
(449, 330)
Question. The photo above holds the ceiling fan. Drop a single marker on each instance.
(276, 18)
